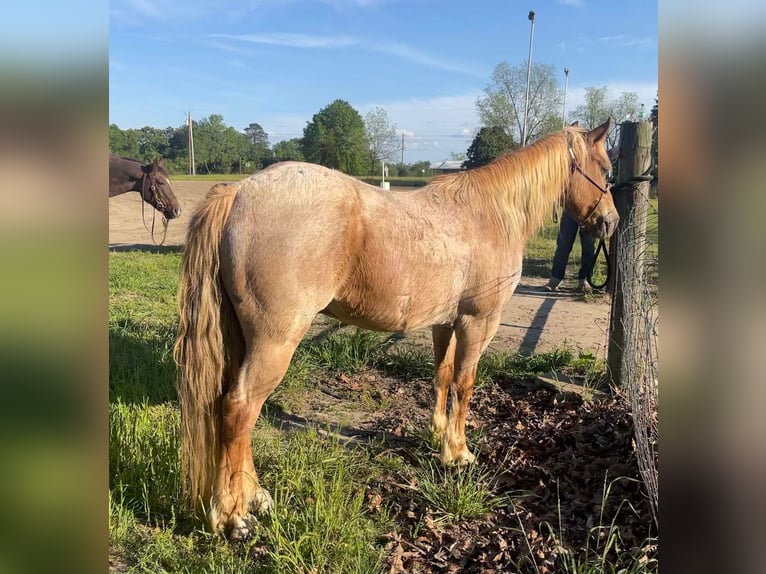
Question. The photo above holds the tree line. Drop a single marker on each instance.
(337, 137)
(501, 110)
(340, 138)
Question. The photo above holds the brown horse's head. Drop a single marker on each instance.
(588, 196)
(158, 192)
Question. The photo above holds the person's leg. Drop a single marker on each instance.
(588, 255)
(587, 260)
(564, 242)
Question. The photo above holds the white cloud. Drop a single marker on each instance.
(311, 41)
(410, 54)
(292, 40)
(577, 3)
(147, 8)
(437, 125)
(627, 41)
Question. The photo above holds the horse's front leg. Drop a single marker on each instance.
(473, 335)
(444, 359)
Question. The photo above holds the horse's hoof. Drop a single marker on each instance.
(463, 458)
(261, 502)
(242, 528)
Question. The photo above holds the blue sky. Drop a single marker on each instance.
(278, 62)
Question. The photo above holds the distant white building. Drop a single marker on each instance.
(448, 166)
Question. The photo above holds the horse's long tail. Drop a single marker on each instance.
(207, 325)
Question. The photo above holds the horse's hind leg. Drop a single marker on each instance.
(444, 358)
(237, 490)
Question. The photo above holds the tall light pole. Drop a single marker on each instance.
(531, 17)
(566, 85)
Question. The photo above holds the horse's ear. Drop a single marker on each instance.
(156, 163)
(575, 124)
(598, 134)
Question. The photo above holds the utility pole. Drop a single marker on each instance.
(566, 85)
(531, 17)
(192, 169)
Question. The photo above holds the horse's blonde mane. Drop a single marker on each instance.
(521, 184)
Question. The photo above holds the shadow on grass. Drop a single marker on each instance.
(141, 366)
(535, 267)
(145, 248)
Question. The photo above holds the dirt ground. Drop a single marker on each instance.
(533, 320)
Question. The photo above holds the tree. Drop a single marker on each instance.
(261, 152)
(599, 106)
(457, 156)
(123, 142)
(335, 138)
(502, 103)
(488, 144)
(381, 137)
(153, 143)
(289, 150)
(218, 147)
(595, 110)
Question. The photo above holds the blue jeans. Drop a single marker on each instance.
(568, 229)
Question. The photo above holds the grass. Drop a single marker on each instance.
(505, 365)
(456, 493)
(603, 549)
(322, 521)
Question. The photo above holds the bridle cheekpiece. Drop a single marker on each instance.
(575, 167)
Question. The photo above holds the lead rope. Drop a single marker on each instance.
(646, 176)
(601, 248)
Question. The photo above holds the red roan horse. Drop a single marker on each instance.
(151, 181)
(263, 256)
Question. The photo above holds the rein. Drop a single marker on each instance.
(601, 244)
(144, 186)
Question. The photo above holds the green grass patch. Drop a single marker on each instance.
(211, 177)
(143, 459)
(321, 521)
(456, 493)
(349, 353)
(505, 365)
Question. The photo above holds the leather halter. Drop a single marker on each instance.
(575, 167)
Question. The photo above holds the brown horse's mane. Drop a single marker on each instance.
(522, 184)
(145, 167)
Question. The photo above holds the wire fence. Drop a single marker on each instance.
(637, 271)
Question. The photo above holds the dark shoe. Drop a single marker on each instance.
(552, 284)
(584, 287)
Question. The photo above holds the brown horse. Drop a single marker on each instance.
(265, 255)
(151, 181)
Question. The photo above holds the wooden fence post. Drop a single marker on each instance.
(628, 242)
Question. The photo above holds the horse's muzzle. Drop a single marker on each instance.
(172, 212)
(607, 224)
